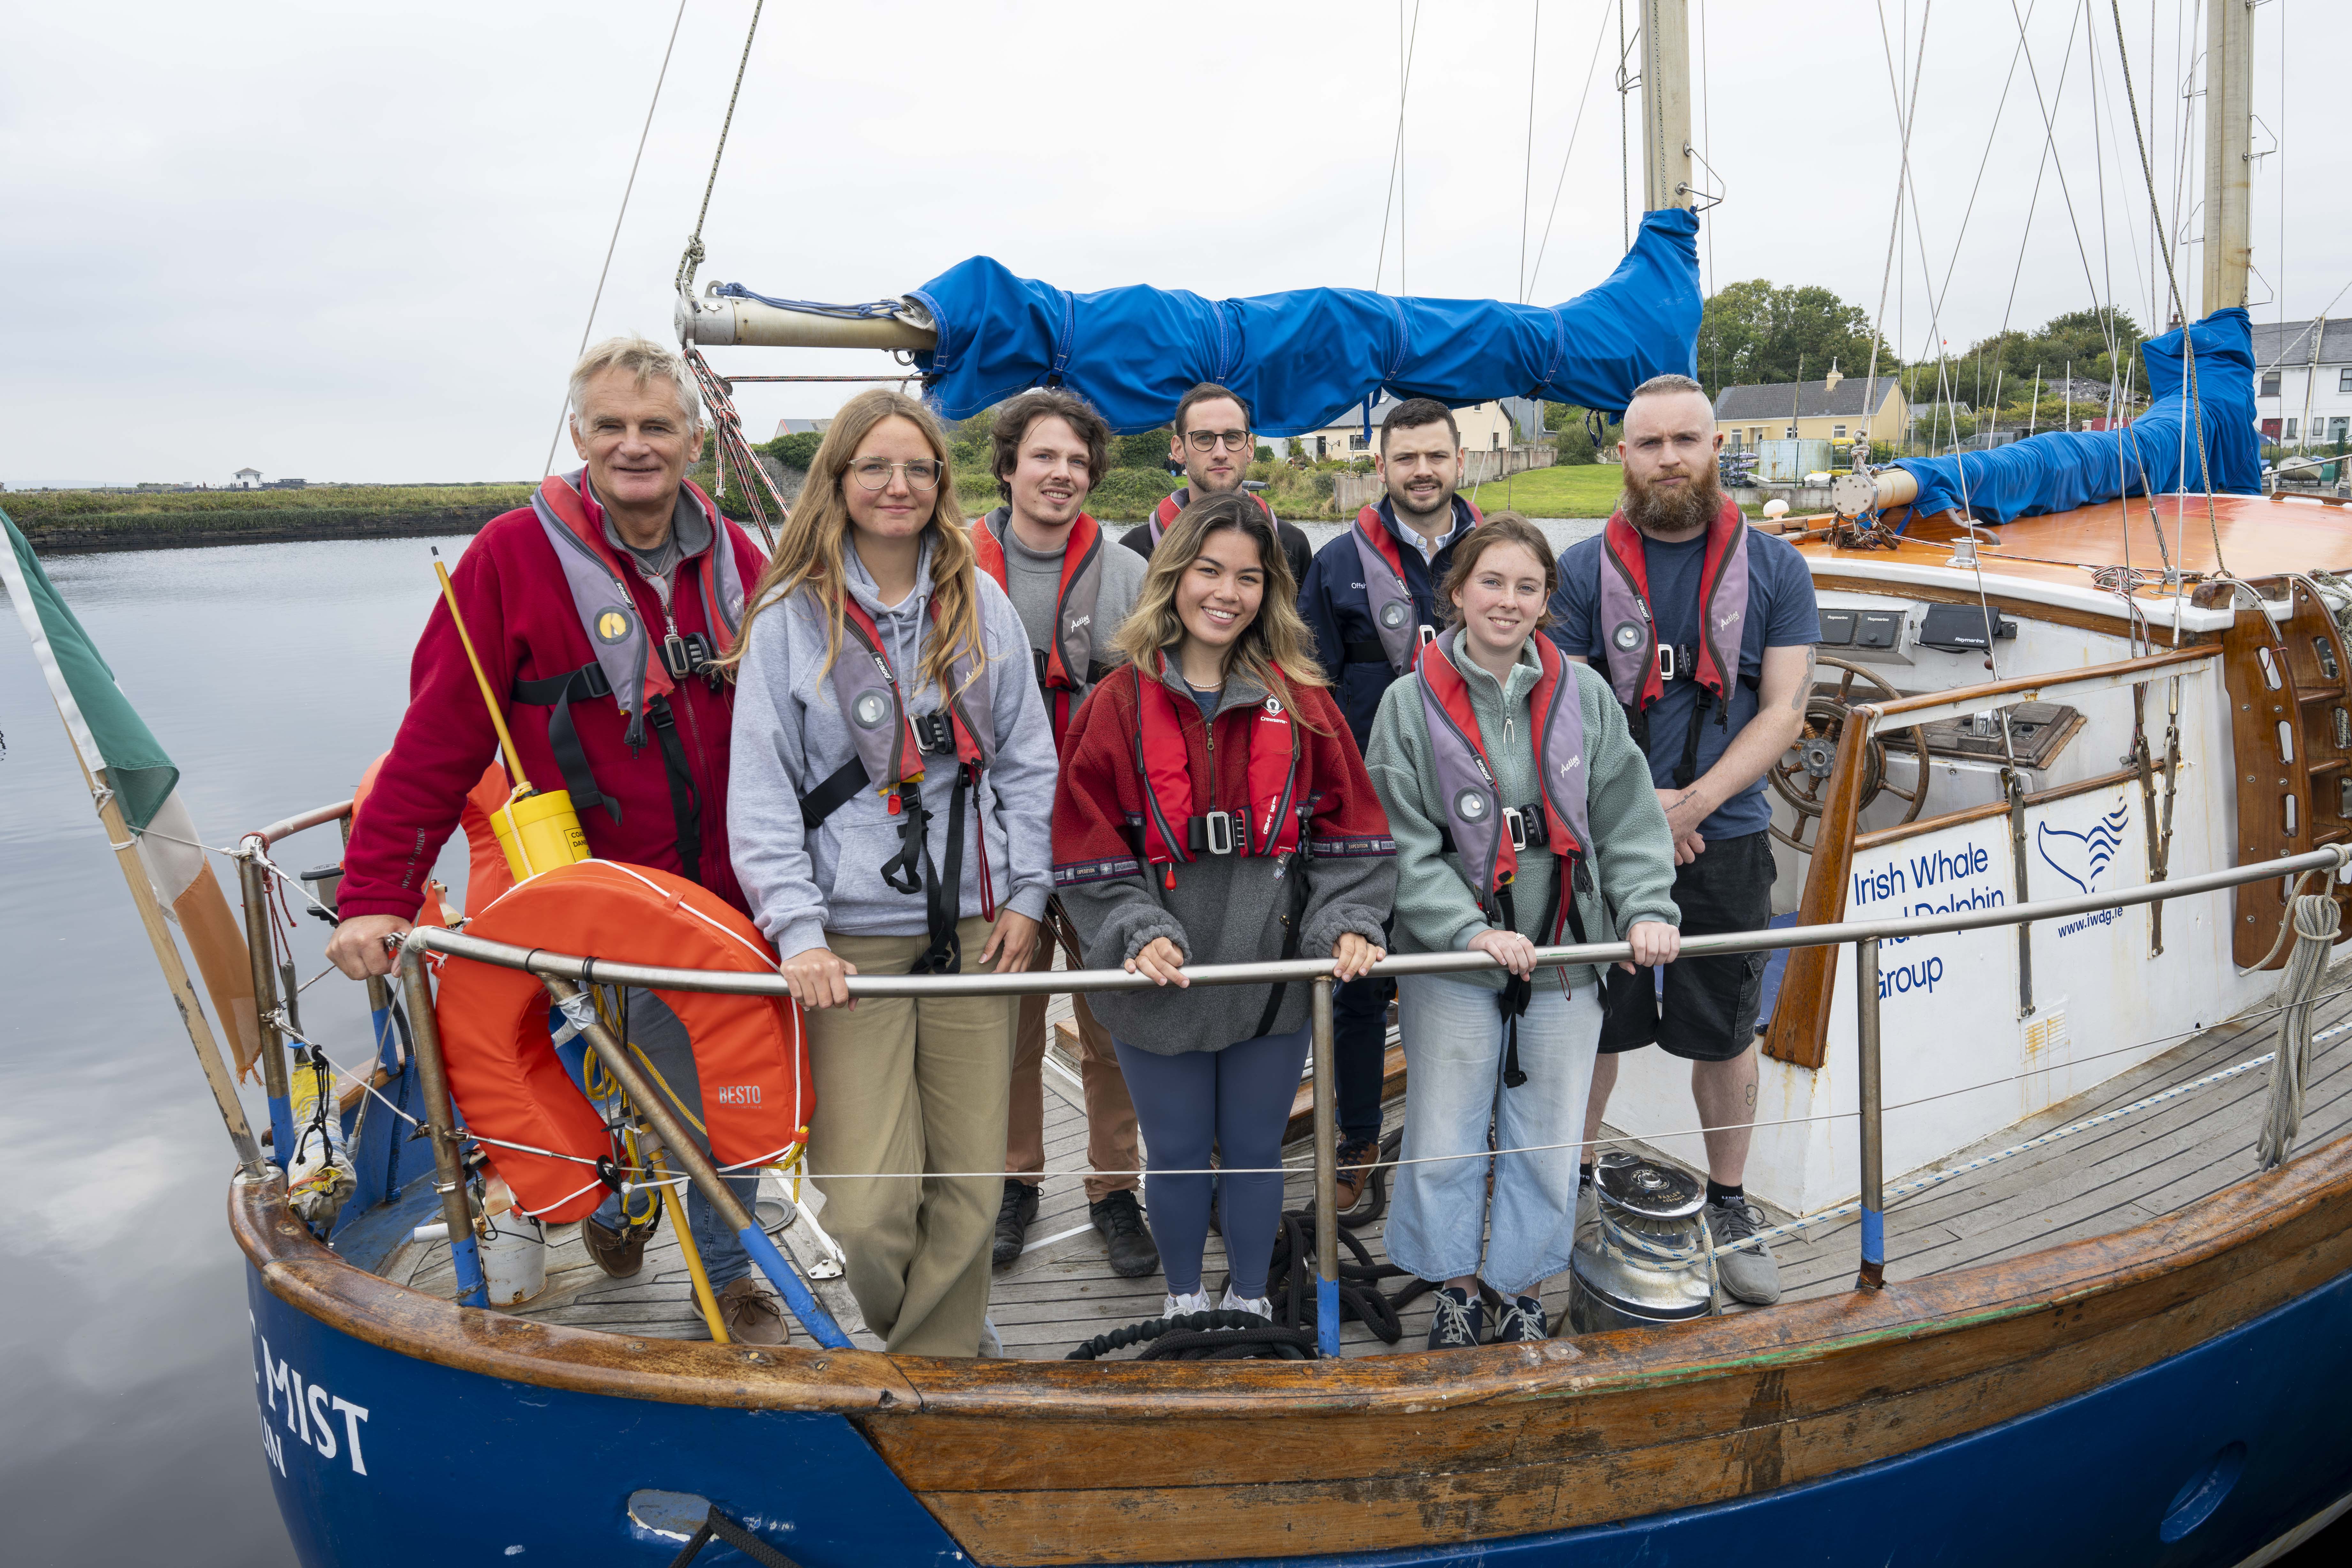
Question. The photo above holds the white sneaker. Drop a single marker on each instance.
(1175, 1306)
(1260, 1305)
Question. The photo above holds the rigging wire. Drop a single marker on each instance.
(1527, 165)
(1599, 37)
(1624, 146)
(598, 297)
(692, 257)
(1904, 113)
(1392, 202)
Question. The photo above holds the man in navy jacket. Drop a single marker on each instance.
(1371, 599)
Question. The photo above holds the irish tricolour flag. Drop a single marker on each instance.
(117, 750)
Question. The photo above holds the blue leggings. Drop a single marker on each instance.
(1239, 1099)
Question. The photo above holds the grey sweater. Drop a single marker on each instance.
(790, 736)
(1631, 855)
(1035, 582)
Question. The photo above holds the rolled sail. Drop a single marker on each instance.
(1308, 358)
(2068, 468)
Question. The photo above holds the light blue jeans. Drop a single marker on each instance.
(655, 1030)
(1454, 1043)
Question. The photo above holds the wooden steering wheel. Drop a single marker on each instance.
(1801, 776)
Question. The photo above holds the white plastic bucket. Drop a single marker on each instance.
(514, 1253)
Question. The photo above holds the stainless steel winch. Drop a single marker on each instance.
(1648, 1260)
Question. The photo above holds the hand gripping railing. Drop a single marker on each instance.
(563, 971)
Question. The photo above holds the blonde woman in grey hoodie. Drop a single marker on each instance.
(889, 809)
(1523, 816)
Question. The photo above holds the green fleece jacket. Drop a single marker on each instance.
(1631, 855)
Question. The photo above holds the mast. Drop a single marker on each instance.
(1666, 104)
(2229, 171)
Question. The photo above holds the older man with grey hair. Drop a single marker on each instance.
(599, 611)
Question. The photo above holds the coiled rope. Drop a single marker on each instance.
(2318, 919)
(1218, 1334)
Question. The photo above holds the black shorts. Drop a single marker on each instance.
(1707, 1011)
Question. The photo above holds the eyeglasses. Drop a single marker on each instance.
(1210, 440)
(875, 474)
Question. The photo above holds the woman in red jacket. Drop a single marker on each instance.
(1212, 809)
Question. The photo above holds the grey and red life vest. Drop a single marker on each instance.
(624, 668)
(1171, 505)
(1488, 835)
(1173, 832)
(1066, 668)
(888, 749)
(1639, 666)
(1402, 633)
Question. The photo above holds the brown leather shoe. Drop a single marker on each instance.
(1355, 1161)
(619, 1253)
(751, 1314)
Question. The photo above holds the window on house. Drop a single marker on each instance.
(1838, 434)
(2270, 384)
(1792, 433)
(2290, 430)
(2344, 381)
(2335, 429)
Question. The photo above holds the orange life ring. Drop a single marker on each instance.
(749, 1051)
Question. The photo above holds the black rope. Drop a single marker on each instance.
(1290, 1280)
(716, 1524)
(1203, 1336)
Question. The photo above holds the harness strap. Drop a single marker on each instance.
(837, 790)
(1290, 923)
(583, 685)
(1519, 992)
(685, 800)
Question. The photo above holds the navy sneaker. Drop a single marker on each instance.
(1522, 1322)
(1459, 1322)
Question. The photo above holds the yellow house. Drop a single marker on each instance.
(1485, 426)
(1839, 408)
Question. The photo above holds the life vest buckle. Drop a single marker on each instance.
(1666, 661)
(934, 732)
(1217, 829)
(686, 656)
(1515, 821)
(1428, 634)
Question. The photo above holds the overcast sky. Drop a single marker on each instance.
(362, 245)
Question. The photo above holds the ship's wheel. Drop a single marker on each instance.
(1801, 776)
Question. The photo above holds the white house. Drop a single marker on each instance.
(1485, 426)
(248, 480)
(2302, 386)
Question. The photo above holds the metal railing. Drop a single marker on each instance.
(563, 975)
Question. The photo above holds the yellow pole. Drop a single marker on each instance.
(703, 1297)
(489, 697)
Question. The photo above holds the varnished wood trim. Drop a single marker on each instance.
(1800, 1014)
(1991, 809)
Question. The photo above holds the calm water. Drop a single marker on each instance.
(272, 673)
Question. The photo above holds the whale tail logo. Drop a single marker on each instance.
(2083, 857)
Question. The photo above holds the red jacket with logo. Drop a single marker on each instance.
(525, 627)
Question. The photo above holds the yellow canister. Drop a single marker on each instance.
(538, 833)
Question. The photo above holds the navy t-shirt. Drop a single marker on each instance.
(1780, 614)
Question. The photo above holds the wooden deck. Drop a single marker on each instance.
(1062, 1291)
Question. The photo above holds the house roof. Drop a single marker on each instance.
(255, 472)
(1813, 399)
(803, 426)
(1387, 405)
(2289, 342)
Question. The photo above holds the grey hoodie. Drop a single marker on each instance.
(790, 736)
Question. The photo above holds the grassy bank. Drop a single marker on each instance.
(116, 519)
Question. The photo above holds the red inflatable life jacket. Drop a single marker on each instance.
(750, 1053)
(1172, 831)
(1070, 669)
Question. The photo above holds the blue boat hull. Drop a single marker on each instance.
(380, 1458)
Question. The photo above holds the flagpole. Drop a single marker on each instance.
(125, 845)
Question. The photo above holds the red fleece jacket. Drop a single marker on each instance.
(525, 627)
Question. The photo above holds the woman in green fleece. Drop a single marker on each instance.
(1523, 816)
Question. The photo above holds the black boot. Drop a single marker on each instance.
(1132, 1256)
(1012, 1217)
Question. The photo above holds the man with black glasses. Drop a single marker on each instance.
(1213, 441)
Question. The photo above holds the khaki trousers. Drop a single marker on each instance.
(1111, 1147)
(912, 1086)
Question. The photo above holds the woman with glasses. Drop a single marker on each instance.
(890, 805)
(1522, 811)
(1213, 810)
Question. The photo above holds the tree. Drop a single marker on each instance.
(797, 450)
(1144, 449)
(1753, 332)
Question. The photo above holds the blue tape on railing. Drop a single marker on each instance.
(1327, 1317)
(281, 1129)
(1874, 1236)
(473, 1290)
(795, 1292)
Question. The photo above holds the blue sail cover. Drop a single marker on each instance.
(1308, 359)
(2069, 469)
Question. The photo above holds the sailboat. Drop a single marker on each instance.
(2071, 826)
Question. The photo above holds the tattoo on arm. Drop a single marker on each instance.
(1751, 1097)
(1804, 690)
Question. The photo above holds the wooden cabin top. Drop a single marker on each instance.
(2259, 537)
